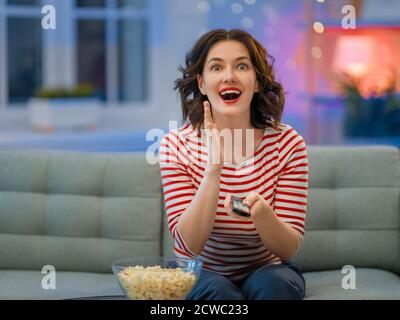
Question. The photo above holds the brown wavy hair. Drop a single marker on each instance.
(266, 107)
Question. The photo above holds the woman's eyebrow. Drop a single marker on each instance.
(220, 59)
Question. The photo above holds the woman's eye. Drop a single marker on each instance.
(215, 67)
(243, 66)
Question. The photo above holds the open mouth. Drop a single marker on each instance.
(230, 95)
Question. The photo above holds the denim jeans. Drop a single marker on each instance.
(271, 282)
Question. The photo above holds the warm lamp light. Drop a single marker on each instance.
(354, 55)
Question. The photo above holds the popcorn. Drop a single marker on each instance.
(156, 283)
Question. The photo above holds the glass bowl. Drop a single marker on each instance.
(157, 278)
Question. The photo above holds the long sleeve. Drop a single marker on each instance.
(178, 188)
(290, 203)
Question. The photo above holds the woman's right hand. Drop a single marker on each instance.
(213, 142)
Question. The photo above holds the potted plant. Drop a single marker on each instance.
(374, 116)
(62, 108)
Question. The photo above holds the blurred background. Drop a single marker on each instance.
(97, 75)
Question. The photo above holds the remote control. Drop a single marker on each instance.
(240, 208)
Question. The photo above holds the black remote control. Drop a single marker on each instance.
(240, 208)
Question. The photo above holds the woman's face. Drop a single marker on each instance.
(228, 78)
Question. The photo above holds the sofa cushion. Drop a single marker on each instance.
(371, 284)
(322, 285)
(77, 211)
(27, 284)
(69, 253)
(353, 215)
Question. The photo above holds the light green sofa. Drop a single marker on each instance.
(80, 211)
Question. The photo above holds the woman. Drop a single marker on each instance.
(228, 85)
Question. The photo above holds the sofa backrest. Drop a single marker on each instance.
(80, 211)
(77, 211)
(353, 213)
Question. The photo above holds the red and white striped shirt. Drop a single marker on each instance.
(278, 171)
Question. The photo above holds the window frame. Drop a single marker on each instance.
(28, 11)
(112, 14)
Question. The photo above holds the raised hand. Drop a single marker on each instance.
(213, 141)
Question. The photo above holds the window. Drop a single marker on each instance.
(92, 55)
(20, 50)
(137, 4)
(132, 60)
(24, 57)
(112, 48)
(105, 43)
(24, 2)
(90, 3)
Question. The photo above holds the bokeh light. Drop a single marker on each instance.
(203, 6)
(316, 52)
(247, 23)
(269, 32)
(236, 8)
(318, 27)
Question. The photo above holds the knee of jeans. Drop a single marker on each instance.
(222, 287)
(270, 280)
(217, 289)
(274, 286)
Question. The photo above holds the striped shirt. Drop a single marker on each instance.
(278, 171)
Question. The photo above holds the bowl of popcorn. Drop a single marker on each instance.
(157, 278)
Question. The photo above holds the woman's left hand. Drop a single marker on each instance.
(256, 203)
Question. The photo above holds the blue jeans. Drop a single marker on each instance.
(272, 282)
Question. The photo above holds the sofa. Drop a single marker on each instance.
(78, 212)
